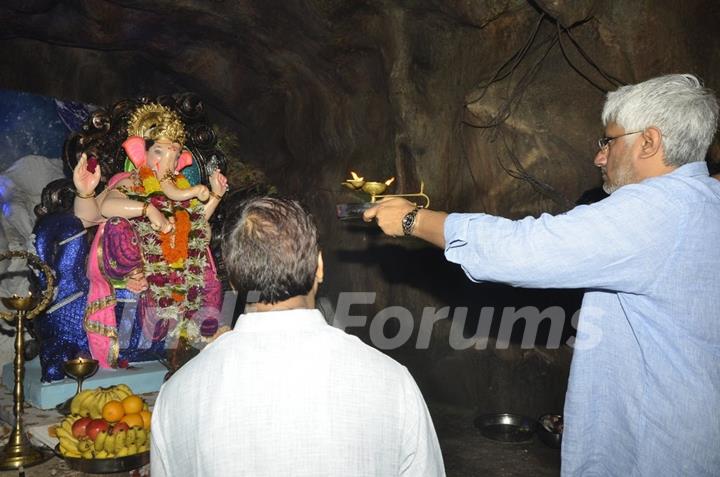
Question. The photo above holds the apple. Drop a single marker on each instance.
(79, 428)
(120, 426)
(95, 426)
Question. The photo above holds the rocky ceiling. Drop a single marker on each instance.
(494, 104)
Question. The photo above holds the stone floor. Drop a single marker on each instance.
(465, 451)
(468, 454)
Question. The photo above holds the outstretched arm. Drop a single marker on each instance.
(429, 224)
(116, 204)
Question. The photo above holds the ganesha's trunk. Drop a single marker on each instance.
(172, 192)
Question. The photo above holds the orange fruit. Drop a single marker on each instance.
(113, 411)
(132, 404)
(146, 417)
(133, 420)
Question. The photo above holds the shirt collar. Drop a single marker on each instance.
(280, 320)
(697, 168)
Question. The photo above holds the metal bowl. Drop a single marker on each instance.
(506, 427)
(106, 466)
(550, 429)
(80, 367)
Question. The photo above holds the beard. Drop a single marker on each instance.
(624, 175)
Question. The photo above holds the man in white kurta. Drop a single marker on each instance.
(285, 394)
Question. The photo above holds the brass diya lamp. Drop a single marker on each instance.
(78, 369)
(376, 189)
(19, 452)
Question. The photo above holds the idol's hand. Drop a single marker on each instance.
(218, 183)
(201, 192)
(158, 221)
(136, 282)
(389, 214)
(85, 181)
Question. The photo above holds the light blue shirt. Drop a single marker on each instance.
(643, 397)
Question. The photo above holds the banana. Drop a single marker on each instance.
(85, 445)
(132, 449)
(120, 438)
(125, 388)
(120, 392)
(144, 448)
(100, 440)
(65, 436)
(69, 452)
(122, 452)
(87, 407)
(140, 437)
(98, 407)
(87, 403)
(65, 424)
(110, 443)
(68, 449)
(88, 454)
(103, 454)
(130, 439)
(115, 395)
(75, 404)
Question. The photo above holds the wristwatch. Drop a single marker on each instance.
(408, 222)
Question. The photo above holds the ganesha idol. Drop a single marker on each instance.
(151, 244)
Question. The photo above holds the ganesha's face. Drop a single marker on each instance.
(163, 155)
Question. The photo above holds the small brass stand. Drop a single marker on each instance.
(19, 452)
(376, 190)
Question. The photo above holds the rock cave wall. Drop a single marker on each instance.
(494, 104)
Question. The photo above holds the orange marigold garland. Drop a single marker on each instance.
(150, 183)
(175, 244)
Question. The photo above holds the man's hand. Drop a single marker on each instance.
(429, 224)
(389, 214)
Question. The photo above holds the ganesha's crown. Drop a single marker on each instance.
(153, 121)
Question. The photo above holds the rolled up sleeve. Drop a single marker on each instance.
(615, 244)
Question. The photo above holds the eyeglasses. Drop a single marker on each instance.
(604, 142)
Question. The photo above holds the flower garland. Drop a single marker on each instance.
(175, 263)
(175, 244)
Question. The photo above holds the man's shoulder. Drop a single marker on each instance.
(668, 189)
(362, 352)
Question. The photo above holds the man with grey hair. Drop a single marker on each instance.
(644, 388)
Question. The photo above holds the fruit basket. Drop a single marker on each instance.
(105, 466)
(107, 431)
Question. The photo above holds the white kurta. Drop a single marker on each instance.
(285, 394)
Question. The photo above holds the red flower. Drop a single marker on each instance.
(193, 293)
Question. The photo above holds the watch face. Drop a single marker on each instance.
(408, 221)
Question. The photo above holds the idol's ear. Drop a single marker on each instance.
(135, 149)
(184, 160)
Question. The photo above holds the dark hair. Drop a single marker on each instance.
(270, 247)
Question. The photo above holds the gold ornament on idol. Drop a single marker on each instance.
(155, 121)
